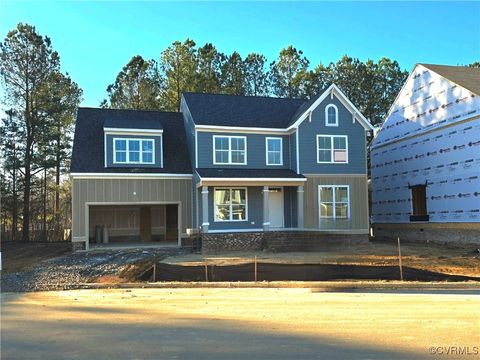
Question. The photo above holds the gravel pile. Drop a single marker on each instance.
(69, 271)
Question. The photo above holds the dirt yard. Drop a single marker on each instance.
(462, 260)
(238, 324)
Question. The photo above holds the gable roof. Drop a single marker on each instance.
(241, 111)
(467, 77)
(88, 144)
(260, 111)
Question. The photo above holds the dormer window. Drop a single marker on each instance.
(133, 151)
(331, 115)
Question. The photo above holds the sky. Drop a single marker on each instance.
(96, 39)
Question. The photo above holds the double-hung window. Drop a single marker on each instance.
(332, 149)
(334, 201)
(230, 204)
(274, 151)
(230, 150)
(133, 151)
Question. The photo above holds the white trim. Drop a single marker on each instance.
(267, 151)
(229, 137)
(140, 151)
(334, 217)
(336, 115)
(254, 179)
(206, 224)
(239, 129)
(128, 175)
(105, 149)
(341, 96)
(230, 205)
(126, 131)
(332, 158)
(233, 231)
(298, 151)
(196, 148)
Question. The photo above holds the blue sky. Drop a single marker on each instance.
(95, 39)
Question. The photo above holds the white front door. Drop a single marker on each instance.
(275, 201)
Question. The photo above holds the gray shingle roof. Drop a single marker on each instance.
(129, 119)
(467, 77)
(248, 173)
(242, 111)
(88, 144)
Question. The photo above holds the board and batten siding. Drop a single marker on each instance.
(358, 202)
(129, 191)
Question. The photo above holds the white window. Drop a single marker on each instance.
(231, 150)
(133, 151)
(274, 151)
(230, 204)
(331, 115)
(334, 201)
(332, 149)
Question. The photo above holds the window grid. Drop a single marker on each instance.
(275, 156)
(331, 115)
(234, 154)
(133, 151)
(232, 204)
(335, 201)
(332, 149)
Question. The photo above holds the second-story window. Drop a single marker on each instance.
(331, 115)
(274, 151)
(332, 149)
(230, 150)
(133, 151)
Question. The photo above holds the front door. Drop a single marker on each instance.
(275, 200)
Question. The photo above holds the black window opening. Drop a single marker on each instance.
(419, 203)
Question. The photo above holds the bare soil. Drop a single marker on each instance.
(20, 256)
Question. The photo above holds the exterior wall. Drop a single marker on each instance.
(256, 151)
(445, 233)
(430, 137)
(293, 151)
(358, 221)
(254, 211)
(447, 160)
(129, 191)
(158, 150)
(307, 136)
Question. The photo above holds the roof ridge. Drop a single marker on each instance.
(136, 110)
(243, 96)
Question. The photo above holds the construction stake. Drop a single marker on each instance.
(206, 272)
(255, 268)
(400, 259)
(154, 268)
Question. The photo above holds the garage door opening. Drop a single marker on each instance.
(133, 224)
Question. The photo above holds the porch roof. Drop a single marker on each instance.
(250, 177)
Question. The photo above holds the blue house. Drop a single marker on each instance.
(241, 170)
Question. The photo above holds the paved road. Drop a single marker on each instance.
(236, 324)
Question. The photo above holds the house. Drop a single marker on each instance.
(425, 160)
(241, 170)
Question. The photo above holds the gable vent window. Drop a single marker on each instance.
(332, 149)
(419, 203)
(133, 151)
(331, 115)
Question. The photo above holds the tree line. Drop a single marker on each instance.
(185, 67)
(35, 136)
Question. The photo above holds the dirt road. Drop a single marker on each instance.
(236, 324)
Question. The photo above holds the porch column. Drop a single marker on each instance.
(266, 205)
(300, 223)
(205, 222)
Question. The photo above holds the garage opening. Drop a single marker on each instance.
(132, 224)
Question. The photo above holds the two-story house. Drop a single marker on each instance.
(252, 165)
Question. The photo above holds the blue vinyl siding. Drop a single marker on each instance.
(308, 132)
(256, 151)
(158, 150)
(254, 211)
